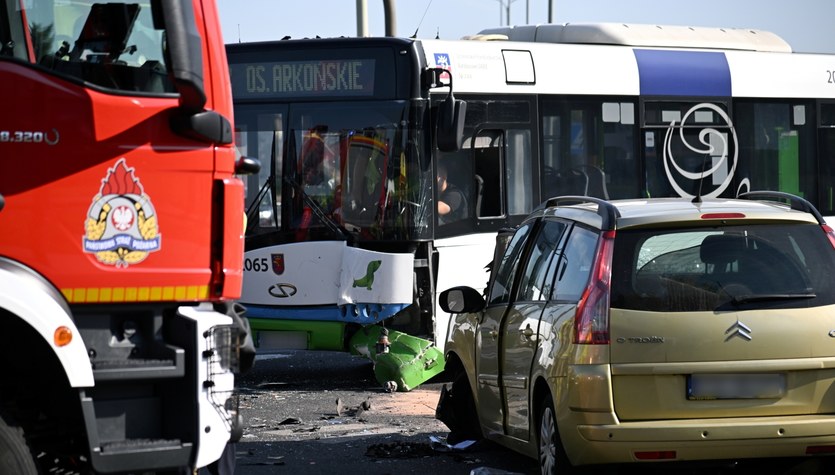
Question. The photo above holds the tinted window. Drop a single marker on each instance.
(503, 283)
(705, 269)
(535, 283)
(575, 265)
(588, 148)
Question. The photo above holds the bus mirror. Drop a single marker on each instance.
(451, 115)
(451, 112)
(247, 166)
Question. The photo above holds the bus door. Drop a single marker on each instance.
(777, 149)
(689, 149)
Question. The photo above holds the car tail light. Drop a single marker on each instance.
(591, 322)
(723, 216)
(829, 234)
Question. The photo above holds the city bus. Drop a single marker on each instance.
(355, 236)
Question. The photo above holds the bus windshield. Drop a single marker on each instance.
(345, 171)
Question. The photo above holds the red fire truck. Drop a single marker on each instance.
(121, 223)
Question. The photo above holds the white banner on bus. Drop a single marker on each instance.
(325, 273)
(375, 277)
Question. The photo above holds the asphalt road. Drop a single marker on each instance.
(294, 425)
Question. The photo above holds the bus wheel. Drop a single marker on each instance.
(15, 456)
(456, 409)
(552, 458)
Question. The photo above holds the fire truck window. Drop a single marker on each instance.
(109, 45)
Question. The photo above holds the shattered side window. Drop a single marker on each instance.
(112, 45)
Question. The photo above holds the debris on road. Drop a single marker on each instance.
(400, 450)
(343, 411)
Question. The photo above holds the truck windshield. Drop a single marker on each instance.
(111, 45)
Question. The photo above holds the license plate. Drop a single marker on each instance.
(736, 386)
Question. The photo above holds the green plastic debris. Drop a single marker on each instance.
(401, 362)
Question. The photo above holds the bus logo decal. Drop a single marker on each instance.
(121, 225)
(282, 291)
(278, 263)
(714, 147)
(367, 280)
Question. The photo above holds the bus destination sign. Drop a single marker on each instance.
(352, 77)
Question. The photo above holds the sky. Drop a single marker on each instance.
(807, 25)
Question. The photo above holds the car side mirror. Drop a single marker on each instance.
(461, 300)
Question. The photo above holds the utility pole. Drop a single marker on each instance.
(362, 18)
(506, 7)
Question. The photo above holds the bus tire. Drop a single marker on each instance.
(15, 456)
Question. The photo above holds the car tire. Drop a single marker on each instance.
(461, 415)
(15, 456)
(551, 455)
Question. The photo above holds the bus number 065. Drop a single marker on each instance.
(261, 264)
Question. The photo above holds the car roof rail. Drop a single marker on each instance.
(795, 202)
(607, 211)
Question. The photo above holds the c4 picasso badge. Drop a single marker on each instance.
(121, 223)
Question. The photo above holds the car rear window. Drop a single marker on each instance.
(723, 268)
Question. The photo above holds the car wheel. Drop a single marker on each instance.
(457, 410)
(15, 456)
(552, 458)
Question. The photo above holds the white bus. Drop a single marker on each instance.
(344, 229)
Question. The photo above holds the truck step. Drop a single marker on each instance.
(170, 365)
(145, 454)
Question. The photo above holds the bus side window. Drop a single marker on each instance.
(487, 160)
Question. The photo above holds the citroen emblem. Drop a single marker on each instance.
(738, 329)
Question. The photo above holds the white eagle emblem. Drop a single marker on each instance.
(121, 225)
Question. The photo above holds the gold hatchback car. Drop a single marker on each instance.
(649, 331)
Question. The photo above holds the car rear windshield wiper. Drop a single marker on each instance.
(739, 299)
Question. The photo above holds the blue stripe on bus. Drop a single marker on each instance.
(363, 314)
(688, 73)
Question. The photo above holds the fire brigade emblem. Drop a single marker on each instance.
(121, 225)
(278, 263)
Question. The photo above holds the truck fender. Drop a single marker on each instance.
(30, 297)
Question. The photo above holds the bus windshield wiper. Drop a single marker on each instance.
(252, 213)
(747, 298)
(316, 208)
